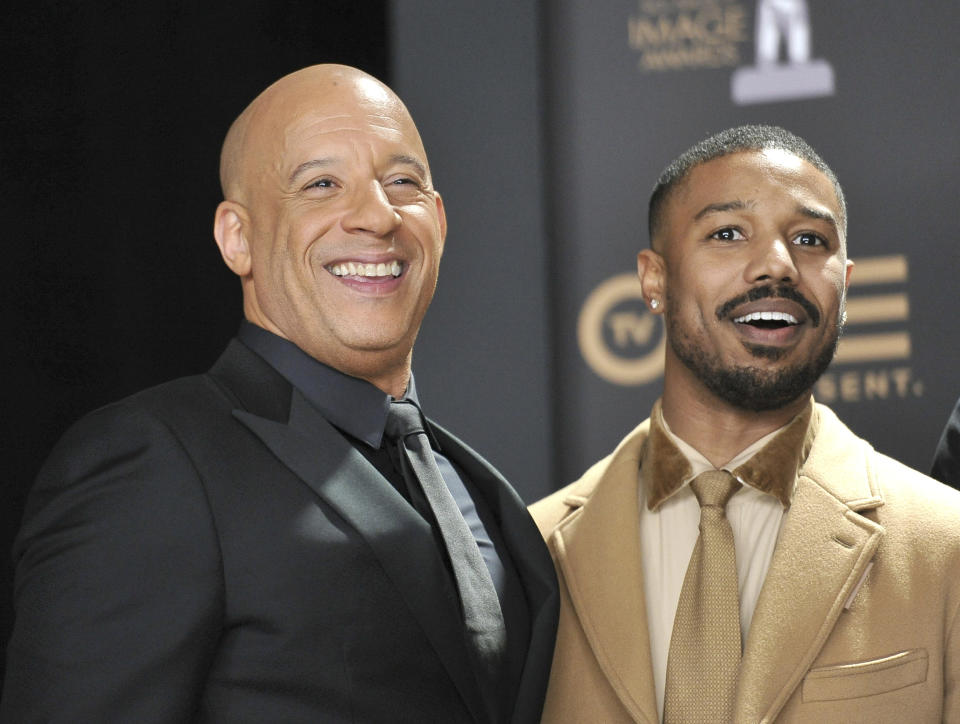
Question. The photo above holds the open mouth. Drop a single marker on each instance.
(768, 320)
(359, 269)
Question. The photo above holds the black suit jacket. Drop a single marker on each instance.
(213, 550)
(946, 459)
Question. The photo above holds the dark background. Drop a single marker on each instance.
(112, 121)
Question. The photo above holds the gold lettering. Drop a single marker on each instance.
(850, 387)
(712, 25)
(901, 380)
(826, 389)
(876, 384)
(711, 56)
(735, 23)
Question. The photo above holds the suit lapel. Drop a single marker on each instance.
(533, 564)
(598, 553)
(821, 557)
(310, 447)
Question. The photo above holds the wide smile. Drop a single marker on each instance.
(369, 278)
(769, 322)
(363, 270)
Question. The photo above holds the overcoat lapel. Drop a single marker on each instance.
(597, 550)
(821, 557)
(310, 447)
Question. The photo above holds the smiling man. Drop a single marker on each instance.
(286, 538)
(742, 556)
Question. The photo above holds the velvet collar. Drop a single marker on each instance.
(772, 470)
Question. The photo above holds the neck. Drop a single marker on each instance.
(394, 384)
(385, 372)
(717, 429)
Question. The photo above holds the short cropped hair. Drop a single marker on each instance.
(724, 143)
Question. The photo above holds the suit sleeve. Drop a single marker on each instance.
(946, 460)
(118, 587)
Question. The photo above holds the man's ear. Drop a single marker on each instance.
(847, 272)
(230, 228)
(442, 216)
(652, 273)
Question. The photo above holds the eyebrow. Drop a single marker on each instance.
(720, 207)
(820, 215)
(307, 165)
(398, 158)
(741, 205)
(404, 159)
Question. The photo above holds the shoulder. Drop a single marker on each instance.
(906, 497)
(129, 438)
(135, 451)
(146, 415)
(553, 509)
(188, 407)
(912, 496)
(946, 459)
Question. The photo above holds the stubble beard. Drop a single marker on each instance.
(747, 387)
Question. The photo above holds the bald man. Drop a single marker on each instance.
(246, 545)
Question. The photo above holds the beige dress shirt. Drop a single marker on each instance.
(669, 533)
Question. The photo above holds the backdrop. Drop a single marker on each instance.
(546, 125)
(871, 85)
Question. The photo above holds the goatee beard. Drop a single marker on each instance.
(752, 388)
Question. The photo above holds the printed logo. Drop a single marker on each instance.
(876, 342)
(682, 34)
(782, 24)
(621, 341)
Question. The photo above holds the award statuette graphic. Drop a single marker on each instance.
(787, 23)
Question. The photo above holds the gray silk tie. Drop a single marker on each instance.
(482, 616)
(705, 646)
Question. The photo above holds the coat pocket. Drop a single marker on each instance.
(866, 678)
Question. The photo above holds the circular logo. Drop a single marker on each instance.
(619, 338)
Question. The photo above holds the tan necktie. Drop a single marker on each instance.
(705, 645)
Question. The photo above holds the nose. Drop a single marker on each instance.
(771, 260)
(369, 211)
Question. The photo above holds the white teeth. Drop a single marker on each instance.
(367, 270)
(767, 316)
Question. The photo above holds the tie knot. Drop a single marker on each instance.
(403, 419)
(714, 487)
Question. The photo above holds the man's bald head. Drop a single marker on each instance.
(331, 221)
(250, 147)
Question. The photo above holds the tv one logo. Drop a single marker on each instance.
(623, 343)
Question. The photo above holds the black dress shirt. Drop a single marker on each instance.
(358, 410)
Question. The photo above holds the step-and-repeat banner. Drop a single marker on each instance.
(873, 86)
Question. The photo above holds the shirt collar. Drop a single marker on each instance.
(355, 406)
(770, 465)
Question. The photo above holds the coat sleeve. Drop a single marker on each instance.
(118, 586)
(951, 669)
(946, 459)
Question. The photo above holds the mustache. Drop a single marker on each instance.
(771, 292)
